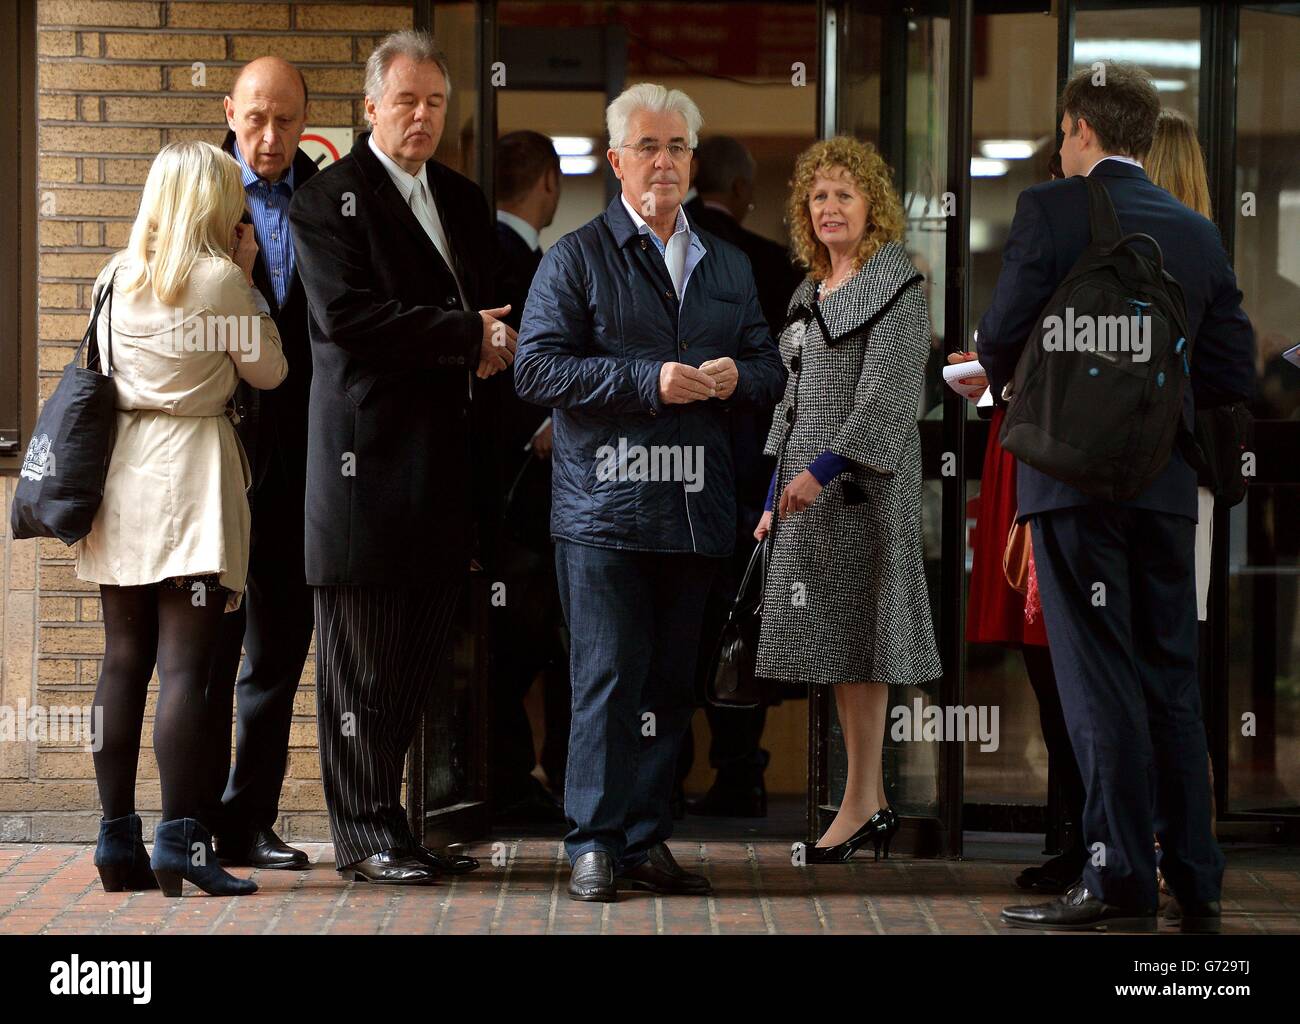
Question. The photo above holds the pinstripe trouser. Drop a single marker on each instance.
(378, 650)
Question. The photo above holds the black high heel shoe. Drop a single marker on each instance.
(879, 831)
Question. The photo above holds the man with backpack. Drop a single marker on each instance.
(1101, 420)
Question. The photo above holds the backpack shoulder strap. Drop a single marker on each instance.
(1101, 213)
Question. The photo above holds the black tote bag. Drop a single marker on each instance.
(61, 483)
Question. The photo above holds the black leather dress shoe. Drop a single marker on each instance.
(660, 873)
(1195, 918)
(1080, 910)
(260, 848)
(445, 863)
(1057, 876)
(392, 867)
(592, 880)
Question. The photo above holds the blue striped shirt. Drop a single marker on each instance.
(268, 203)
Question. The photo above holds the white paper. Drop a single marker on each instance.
(956, 376)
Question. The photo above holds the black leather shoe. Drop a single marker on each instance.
(660, 873)
(446, 863)
(1195, 918)
(592, 880)
(260, 848)
(1055, 877)
(392, 867)
(1080, 910)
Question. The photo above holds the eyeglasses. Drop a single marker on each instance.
(650, 150)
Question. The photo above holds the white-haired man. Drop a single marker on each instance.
(395, 251)
(641, 333)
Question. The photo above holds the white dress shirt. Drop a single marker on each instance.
(415, 191)
(531, 236)
(1121, 159)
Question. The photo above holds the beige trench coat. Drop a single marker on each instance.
(175, 501)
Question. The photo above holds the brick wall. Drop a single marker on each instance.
(116, 83)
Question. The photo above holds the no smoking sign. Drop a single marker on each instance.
(325, 145)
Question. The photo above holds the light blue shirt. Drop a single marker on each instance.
(681, 253)
(268, 204)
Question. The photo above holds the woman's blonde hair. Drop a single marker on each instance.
(1175, 162)
(193, 198)
(873, 179)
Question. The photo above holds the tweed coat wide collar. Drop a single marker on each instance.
(861, 301)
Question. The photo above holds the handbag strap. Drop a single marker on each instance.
(92, 329)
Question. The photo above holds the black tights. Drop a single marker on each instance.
(144, 626)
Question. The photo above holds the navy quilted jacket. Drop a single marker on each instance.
(602, 318)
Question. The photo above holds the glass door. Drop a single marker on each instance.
(892, 87)
(1255, 737)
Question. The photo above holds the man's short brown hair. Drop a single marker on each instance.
(1118, 101)
(522, 158)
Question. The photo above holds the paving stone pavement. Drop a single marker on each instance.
(53, 889)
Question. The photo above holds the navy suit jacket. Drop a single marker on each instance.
(1047, 237)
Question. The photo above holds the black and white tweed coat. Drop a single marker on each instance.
(846, 597)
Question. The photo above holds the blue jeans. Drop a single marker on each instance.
(634, 624)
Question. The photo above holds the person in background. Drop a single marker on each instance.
(724, 177)
(169, 543)
(1126, 669)
(266, 112)
(997, 614)
(1175, 163)
(846, 602)
(396, 255)
(641, 333)
(528, 626)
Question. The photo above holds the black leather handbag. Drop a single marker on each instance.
(732, 681)
(61, 483)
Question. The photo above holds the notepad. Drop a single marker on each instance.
(957, 375)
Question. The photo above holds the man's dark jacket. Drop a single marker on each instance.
(601, 320)
(1047, 237)
(273, 424)
(389, 493)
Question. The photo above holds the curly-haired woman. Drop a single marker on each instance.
(846, 599)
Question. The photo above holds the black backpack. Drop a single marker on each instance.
(1102, 418)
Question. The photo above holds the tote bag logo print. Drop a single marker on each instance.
(38, 463)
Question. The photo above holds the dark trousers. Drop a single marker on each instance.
(527, 638)
(273, 630)
(378, 651)
(634, 626)
(1119, 601)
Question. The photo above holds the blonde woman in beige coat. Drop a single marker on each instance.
(169, 544)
